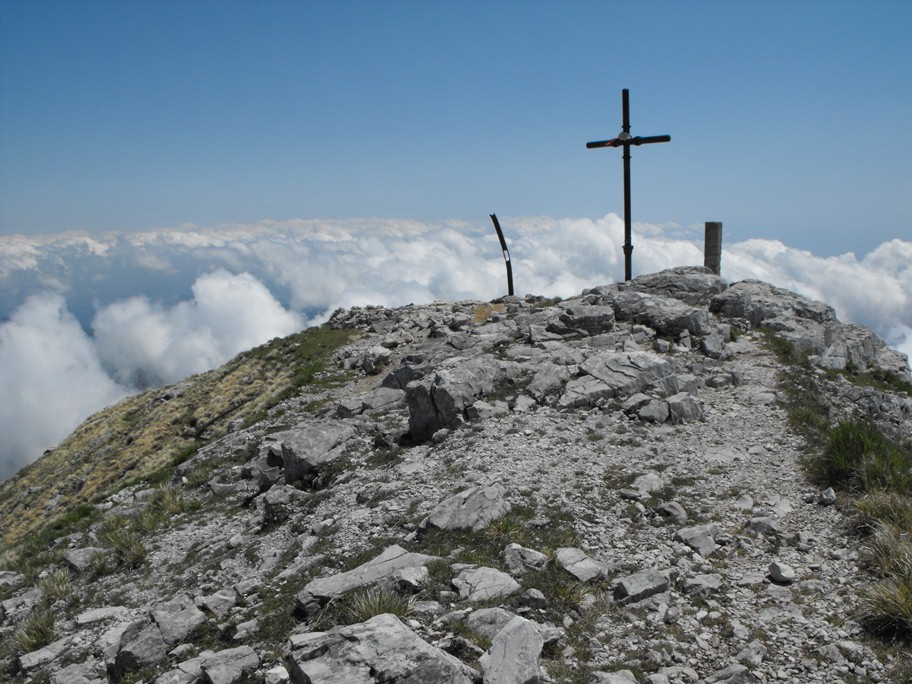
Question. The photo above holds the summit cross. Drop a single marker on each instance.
(624, 140)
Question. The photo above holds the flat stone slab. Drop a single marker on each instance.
(319, 591)
(381, 649)
(42, 656)
(229, 666)
(577, 563)
(640, 585)
(98, 614)
(478, 584)
(220, 602)
(473, 509)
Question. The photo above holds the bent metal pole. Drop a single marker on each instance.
(506, 253)
(624, 140)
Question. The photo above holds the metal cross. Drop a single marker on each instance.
(624, 140)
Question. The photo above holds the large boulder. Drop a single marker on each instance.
(441, 399)
(665, 315)
(694, 285)
(611, 374)
(308, 447)
(381, 649)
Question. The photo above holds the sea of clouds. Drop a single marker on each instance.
(90, 319)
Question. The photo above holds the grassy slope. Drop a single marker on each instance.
(142, 436)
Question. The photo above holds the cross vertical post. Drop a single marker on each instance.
(624, 140)
(628, 232)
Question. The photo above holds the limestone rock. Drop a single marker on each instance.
(177, 619)
(640, 585)
(577, 563)
(699, 538)
(8, 578)
(478, 584)
(220, 602)
(656, 411)
(43, 656)
(305, 449)
(487, 622)
(781, 573)
(319, 591)
(702, 584)
(81, 559)
(591, 320)
(617, 677)
(733, 674)
(548, 381)
(439, 401)
(513, 655)
(473, 509)
(683, 407)
(626, 373)
(278, 503)
(141, 644)
(229, 666)
(695, 285)
(519, 559)
(380, 649)
(672, 510)
(88, 672)
(766, 525)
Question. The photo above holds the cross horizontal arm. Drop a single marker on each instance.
(638, 140)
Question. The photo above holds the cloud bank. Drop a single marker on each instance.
(88, 319)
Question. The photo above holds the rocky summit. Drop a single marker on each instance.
(600, 489)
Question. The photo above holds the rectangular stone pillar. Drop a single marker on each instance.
(712, 247)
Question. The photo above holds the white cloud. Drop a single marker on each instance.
(51, 377)
(145, 343)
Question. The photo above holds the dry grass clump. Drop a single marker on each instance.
(145, 436)
(367, 603)
(56, 584)
(36, 631)
(124, 541)
(860, 459)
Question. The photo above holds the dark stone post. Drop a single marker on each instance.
(712, 247)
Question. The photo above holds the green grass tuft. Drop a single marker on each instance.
(859, 458)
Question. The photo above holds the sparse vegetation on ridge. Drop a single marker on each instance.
(143, 437)
(858, 459)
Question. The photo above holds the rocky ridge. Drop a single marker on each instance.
(601, 489)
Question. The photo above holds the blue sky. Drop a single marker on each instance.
(789, 120)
